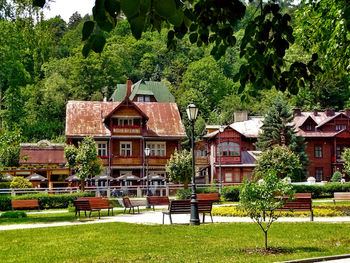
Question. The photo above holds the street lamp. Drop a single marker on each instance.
(192, 111)
(147, 152)
(221, 129)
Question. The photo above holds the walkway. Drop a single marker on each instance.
(156, 218)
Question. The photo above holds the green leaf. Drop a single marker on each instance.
(86, 49)
(88, 28)
(98, 43)
(39, 3)
(145, 6)
(112, 7)
(130, 7)
(177, 19)
(137, 25)
(241, 89)
(165, 8)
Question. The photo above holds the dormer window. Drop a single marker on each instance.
(340, 127)
(126, 122)
(143, 98)
(309, 127)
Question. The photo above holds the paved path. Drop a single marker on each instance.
(156, 218)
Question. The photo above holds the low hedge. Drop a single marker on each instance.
(5, 185)
(184, 194)
(46, 201)
(322, 191)
(236, 212)
(231, 193)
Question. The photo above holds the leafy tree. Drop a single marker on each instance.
(74, 20)
(9, 147)
(20, 182)
(346, 158)
(265, 196)
(336, 177)
(84, 159)
(179, 167)
(281, 160)
(278, 130)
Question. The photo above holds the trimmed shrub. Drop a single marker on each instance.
(231, 193)
(46, 201)
(336, 178)
(5, 185)
(184, 194)
(234, 211)
(12, 214)
(322, 191)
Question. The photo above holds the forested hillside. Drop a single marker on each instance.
(42, 67)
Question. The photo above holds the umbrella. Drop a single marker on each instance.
(36, 177)
(7, 177)
(72, 178)
(103, 177)
(155, 177)
(128, 177)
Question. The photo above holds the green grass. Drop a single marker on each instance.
(52, 217)
(122, 242)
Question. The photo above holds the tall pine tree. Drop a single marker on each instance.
(278, 129)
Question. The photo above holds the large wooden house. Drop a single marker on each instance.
(122, 130)
(232, 151)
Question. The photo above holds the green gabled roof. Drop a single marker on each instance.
(158, 89)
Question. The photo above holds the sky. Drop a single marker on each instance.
(65, 8)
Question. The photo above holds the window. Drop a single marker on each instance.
(319, 174)
(124, 122)
(339, 127)
(201, 153)
(101, 148)
(157, 148)
(308, 127)
(228, 149)
(318, 151)
(228, 177)
(140, 98)
(237, 177)
(147, 99)
(339, 151)
(125, 148)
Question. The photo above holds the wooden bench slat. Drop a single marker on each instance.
(32, 203)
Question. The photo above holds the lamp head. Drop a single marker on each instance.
(147, 151)
(192, 112)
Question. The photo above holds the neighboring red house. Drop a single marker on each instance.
(326, 135)
(43, 158)
(122, 130)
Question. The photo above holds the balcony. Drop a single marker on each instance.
(127, 129)
(158, 161)
(228, 159)
(201, 160)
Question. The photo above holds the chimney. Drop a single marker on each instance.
(329, 112)
(240, 116)
(315, 112)
(128, 88)
(297, 112)
(347, 112)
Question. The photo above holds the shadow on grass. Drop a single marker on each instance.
(279, 250)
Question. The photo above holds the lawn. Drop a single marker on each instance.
(122, 242)
(51, 217)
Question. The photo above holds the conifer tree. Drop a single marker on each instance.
(278, 129)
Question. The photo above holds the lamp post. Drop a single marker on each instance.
(221, 129)
(192, 111)
(147, 152)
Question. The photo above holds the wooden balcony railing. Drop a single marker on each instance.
(127, 129)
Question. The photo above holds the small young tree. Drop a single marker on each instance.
(336, 177)
(179, 167)
(20, 182)
(281, 160)
(261, 198)
(84, 159)
(346, 158)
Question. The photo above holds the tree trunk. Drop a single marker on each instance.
(186, 184)
(82, 185)
(265, 240)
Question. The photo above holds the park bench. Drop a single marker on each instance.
(158, 200)
(84, 205)
(98, 203)
(209, 196)
(341, 197)
(302, 202)
(25, 204)
(184, 207)
(128, 204)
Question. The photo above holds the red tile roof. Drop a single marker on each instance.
(85, 118)
(43, 155)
